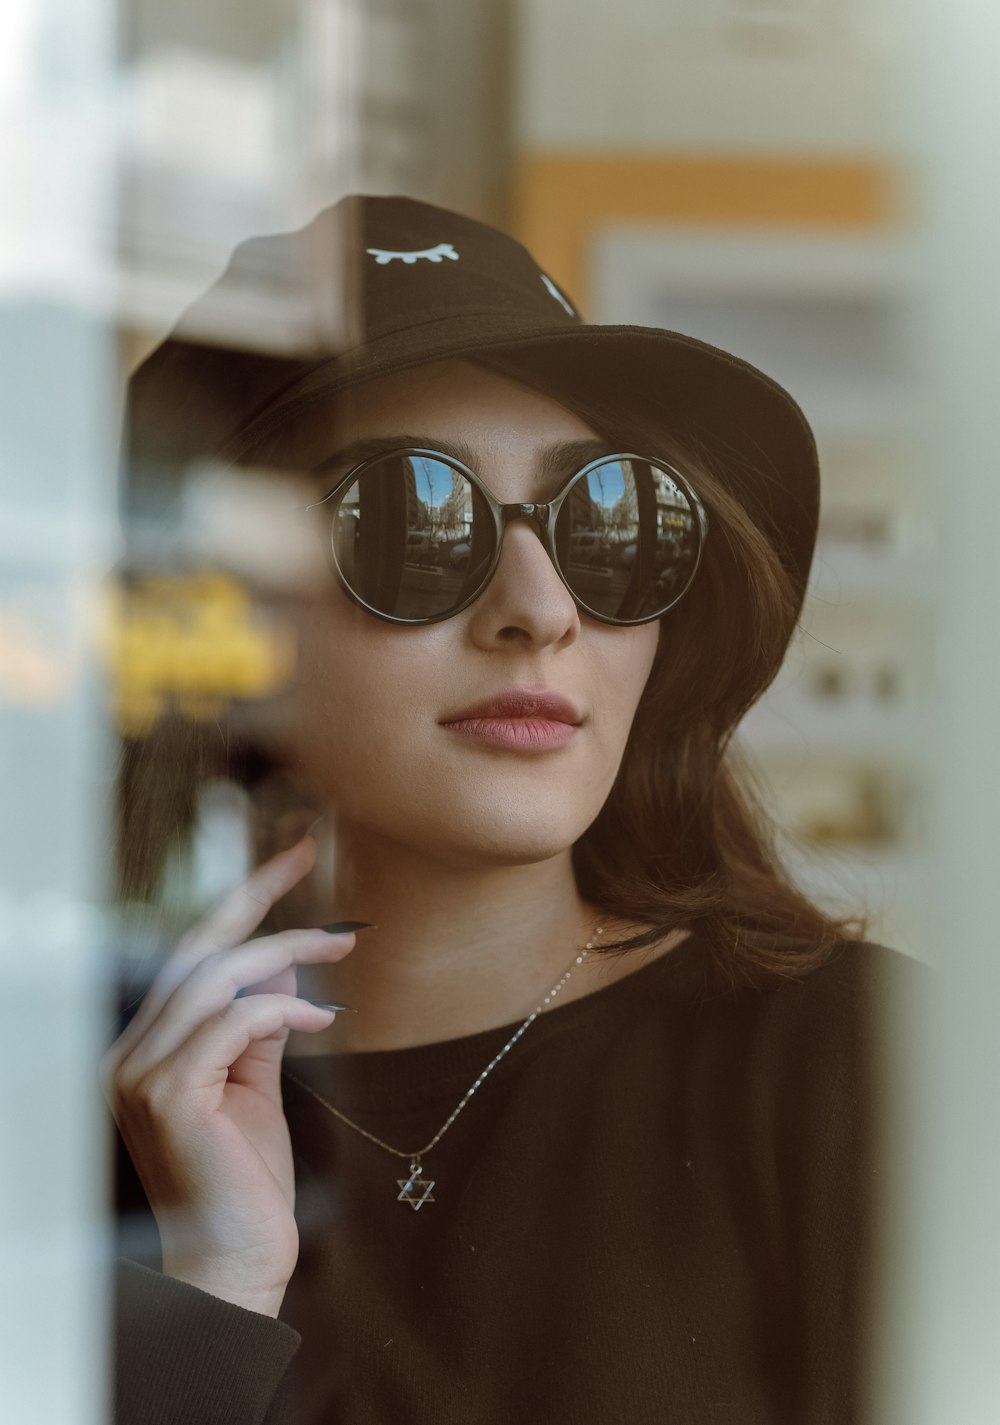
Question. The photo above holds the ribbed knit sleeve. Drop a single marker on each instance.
(184, 1357)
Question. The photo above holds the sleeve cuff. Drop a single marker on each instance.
(182, 1354)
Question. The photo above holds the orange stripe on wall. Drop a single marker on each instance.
(560, 199)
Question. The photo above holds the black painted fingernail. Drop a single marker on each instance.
(340, 927)
(334, 1008)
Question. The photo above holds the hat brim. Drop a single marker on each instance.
(189, 399)
(755, 435)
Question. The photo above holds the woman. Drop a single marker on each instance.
(593, 1144)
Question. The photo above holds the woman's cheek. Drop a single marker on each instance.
(352, 739)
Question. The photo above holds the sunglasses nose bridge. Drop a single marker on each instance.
(538, 515)
(542, 520)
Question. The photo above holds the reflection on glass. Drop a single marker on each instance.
(633, 542)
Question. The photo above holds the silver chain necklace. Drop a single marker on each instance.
(414, 1188)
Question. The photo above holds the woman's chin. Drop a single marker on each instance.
(479, 841)
(472, 821)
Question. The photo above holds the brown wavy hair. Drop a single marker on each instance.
(685, 838)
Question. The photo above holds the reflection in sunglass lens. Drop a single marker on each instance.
(410, 534)
(413, 538)
(627, 537)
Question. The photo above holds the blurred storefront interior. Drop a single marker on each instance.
(741, 170)
(685, 166)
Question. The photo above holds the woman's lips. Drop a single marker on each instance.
(522, 734)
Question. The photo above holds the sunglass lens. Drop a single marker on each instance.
(628, 539)
(412, 536)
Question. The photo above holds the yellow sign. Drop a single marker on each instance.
(189, 645)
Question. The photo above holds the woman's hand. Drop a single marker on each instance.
(194, 1086)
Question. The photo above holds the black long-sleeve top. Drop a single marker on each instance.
(658, 1209)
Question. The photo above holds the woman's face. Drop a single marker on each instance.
(369, 739)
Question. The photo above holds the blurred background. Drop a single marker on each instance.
(808, 183)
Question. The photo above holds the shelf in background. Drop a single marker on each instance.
(846, 574)
(787, 724)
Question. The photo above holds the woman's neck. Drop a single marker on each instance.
(455, 950)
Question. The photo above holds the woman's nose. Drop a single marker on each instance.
(526, 592)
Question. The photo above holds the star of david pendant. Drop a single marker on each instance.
(415, 1190)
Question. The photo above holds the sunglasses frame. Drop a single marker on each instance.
(542, 516)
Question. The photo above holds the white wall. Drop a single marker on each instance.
(813, 76)
(56, 532)
(945, 1365)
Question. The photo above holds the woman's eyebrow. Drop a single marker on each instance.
(560, 459)
(366, 448)
(568, 456)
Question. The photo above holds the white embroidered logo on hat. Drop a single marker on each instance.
(428, 254)
(557, 294)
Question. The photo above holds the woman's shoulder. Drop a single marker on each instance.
(831, 1030)
(835, 1011)
(854, 974)
(700, 976)
(850, 971)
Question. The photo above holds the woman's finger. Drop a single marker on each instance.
(171, 1089)
(238, 915)
(216, 980)
(230, 923)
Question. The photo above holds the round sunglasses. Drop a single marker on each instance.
(415, 536)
